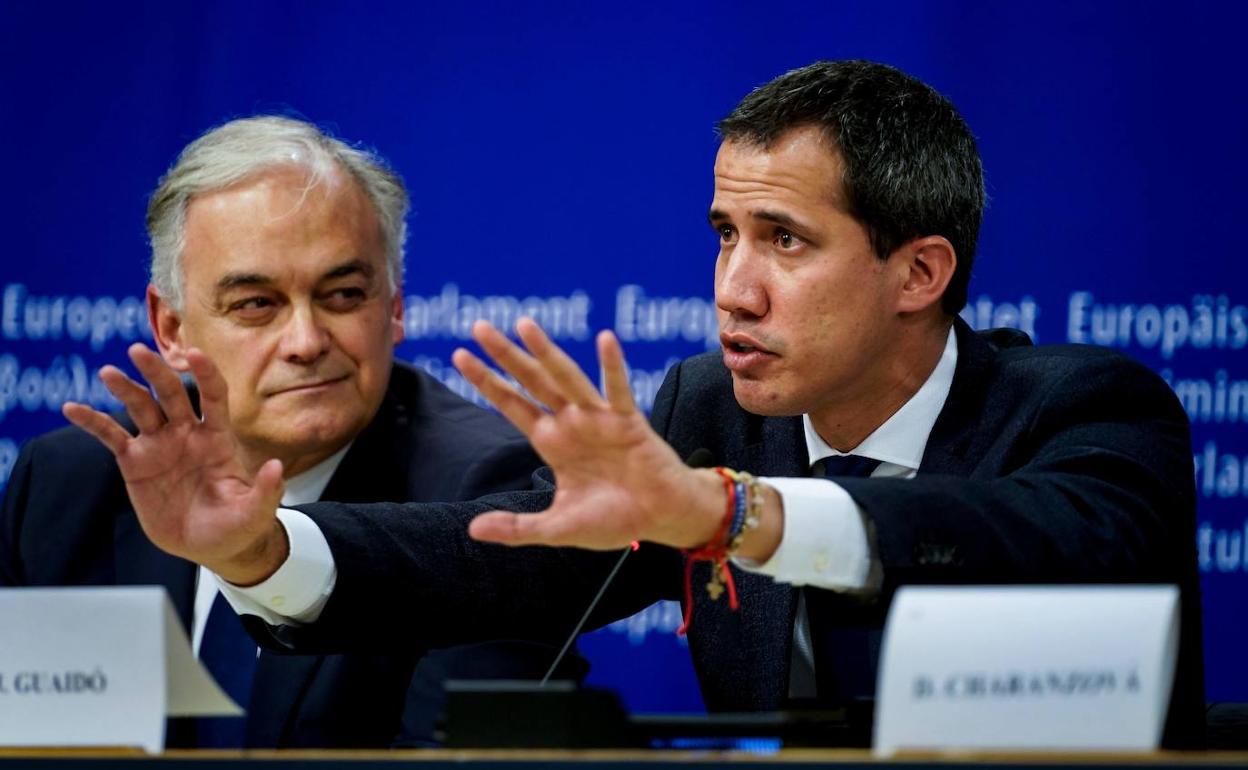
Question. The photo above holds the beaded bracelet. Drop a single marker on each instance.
(751, 504)
(741, 515)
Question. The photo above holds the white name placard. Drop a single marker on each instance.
(1022, 667)
(97, 667)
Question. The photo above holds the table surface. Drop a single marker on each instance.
(516, 759)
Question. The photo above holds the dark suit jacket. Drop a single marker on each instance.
(67, 521)
(1056, 464)
(1046, 465)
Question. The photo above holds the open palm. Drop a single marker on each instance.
(616, 479)
(193, 497)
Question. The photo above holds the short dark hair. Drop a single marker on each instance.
(911, 166)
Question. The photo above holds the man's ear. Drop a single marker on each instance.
(396, 315)
(927, 265)
(166, 326)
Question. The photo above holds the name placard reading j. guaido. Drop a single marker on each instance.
(1025, 667)
(97, 667)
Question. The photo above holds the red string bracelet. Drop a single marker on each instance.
(716, 552)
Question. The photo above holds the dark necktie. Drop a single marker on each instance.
(844, 639)
(849, 465)
(229, 654)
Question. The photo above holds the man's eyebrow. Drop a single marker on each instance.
(351, 268)
(235, 280)
(716, 216)
(778, 217)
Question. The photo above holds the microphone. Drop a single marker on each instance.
(701, 458)
(698, 458)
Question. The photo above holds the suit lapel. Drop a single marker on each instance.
(780, 449)
(278, 691)
(951, 446)
(370, 471)
(751, 648)
(757, 637)
(373, 469)
(138, 562)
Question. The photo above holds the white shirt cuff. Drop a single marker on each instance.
(824, 543)
(298, 591)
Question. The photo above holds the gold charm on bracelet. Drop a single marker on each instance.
(715, 588)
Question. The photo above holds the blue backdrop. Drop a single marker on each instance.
(560, 161)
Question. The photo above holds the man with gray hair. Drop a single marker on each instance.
(886, 443)
(278, 251)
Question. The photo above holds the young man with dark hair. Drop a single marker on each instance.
(888, 443)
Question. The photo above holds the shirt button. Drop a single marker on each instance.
(277, 601)
(822, 562)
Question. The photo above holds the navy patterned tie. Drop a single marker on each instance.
(845, 644)
(849, 465)
(229, 654)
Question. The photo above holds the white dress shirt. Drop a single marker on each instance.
(824, 542)
(304, 488)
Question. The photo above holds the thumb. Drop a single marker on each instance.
(508, 528)
(269, 485)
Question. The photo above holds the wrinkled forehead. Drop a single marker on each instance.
(282, 219)
(802, 163)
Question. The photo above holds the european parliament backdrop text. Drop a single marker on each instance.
(559, 161)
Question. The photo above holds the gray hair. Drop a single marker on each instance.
(241, 148)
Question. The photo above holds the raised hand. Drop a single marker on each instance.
(193, 497)
(616, 479)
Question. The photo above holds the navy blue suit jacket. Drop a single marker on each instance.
(1060, 464)
(67, 521)
(1053, 464)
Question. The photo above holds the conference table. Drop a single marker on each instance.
(524, 759)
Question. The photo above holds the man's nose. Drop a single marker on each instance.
(305, 338)
(739, 284)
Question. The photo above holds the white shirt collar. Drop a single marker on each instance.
(902, 438)
(304, 488)
(308, 486)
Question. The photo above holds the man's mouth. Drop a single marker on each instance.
(743, 354)
(736, 342)
(308, 387)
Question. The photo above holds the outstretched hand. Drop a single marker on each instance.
(616, 479)
(193, 497)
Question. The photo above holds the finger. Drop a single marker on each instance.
(519, 364)
(571, 381)
(213, 390)
(103, 427)
(166, 383)
(137, 399)
(513, 529)
(615, 374)
(520, 411)
(269, 485)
